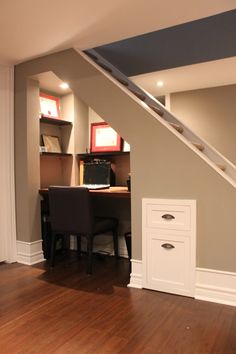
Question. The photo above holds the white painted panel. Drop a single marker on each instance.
(168, 268)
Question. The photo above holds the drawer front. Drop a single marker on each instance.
(169, 217)
(169, 263)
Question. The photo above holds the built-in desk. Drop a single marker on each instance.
(117, 192)
(113, 201)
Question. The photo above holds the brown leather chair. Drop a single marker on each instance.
(71, 213)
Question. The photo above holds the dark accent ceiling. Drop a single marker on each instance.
(194, 42)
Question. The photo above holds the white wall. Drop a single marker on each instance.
(7, 190)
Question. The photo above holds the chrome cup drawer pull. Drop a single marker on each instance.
(167, 246)
(168, 217)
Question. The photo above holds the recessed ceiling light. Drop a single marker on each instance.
(160, 83)
(64, 85)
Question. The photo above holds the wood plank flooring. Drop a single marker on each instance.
(63, 310)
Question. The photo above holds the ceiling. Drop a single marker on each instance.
(195, 42)
(190, 77)
(198, 41)
(30, 28)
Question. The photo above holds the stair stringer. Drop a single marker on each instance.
(213, 157)
(162, 165)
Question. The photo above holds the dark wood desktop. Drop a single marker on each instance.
(117, 192)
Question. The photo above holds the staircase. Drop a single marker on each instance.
(208, 153)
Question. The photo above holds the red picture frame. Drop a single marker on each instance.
(103, 138)
(49, 106)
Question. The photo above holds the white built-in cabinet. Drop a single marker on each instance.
(169, 245)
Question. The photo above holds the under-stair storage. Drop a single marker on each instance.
(169, 246)
(55, 166)
(58, 143)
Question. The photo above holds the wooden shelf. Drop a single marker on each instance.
(54, 121)
(100, 154)
(55, 154)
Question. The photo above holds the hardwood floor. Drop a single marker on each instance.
(63, 310)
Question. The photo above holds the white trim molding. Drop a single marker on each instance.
(7, 209)
(211, 285)
(136, 276)
(216, 286)
(29, 253)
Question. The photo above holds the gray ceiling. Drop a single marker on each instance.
(194, 42)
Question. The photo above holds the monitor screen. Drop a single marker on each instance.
(97, 172)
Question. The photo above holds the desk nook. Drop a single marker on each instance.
(69, 157)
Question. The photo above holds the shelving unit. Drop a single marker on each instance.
(56, 167)
(66, 168)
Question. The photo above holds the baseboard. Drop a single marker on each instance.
(136, 278)
(211, 285)
(29, 253)
(216, 286)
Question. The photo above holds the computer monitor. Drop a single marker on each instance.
(97, 172)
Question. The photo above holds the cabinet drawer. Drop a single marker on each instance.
(169, 263)
(168, 216)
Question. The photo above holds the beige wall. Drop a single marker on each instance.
(93, 118)
(27, 160)
(211, 113)
(162, 166)
(81, 125)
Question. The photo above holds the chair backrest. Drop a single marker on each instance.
(70, 210)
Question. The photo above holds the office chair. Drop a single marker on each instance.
(71, 213)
